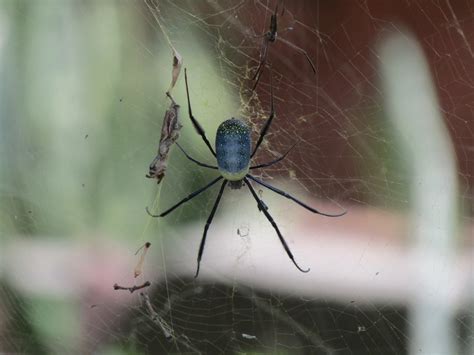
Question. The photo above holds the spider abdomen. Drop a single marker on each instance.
(233, 147)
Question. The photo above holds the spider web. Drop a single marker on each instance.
(82, 100)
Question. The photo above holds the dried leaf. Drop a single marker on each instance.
(169, 135)
(177, 64)
(139, 267)
(153, 6)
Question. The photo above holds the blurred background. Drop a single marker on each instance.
(384, 129)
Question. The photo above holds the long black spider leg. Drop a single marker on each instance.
(269, 36)
(265, 128)
(262, 207)
(187, 198)
(264, 165)
(287, 195)
(196, 124)
(206, 227)
(194, 160)
(283, 8)
(263, 60)
(298, 49)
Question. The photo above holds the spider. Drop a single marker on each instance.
(234, 154)
(269, 37)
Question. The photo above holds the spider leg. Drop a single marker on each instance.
(189, 197)
(265, 128)
(258, 36)
(287, 195)
(206, 227)
(301, 50)
(263, 60)
(283, 9)
(194, 160)
(264, 165)
(262, 207)
(196, 124)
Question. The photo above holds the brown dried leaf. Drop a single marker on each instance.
(177, 64)
(169, 135)
(139, 267)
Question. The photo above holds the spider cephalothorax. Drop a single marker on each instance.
(234, 154)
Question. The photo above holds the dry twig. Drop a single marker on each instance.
(132, 289)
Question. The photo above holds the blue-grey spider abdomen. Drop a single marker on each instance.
(233, 147)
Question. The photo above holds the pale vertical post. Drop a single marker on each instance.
(413, 109)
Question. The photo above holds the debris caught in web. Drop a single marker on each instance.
(177, 64)
(132, 289)
(169, 135)
(139, 267)
(137, 271)
(155, 317)
(248, 336)
(171, 126)
(177, 58)
(243, 231)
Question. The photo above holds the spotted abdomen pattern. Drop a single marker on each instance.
(233, 147)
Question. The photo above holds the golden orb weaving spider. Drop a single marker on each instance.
(234, 154)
